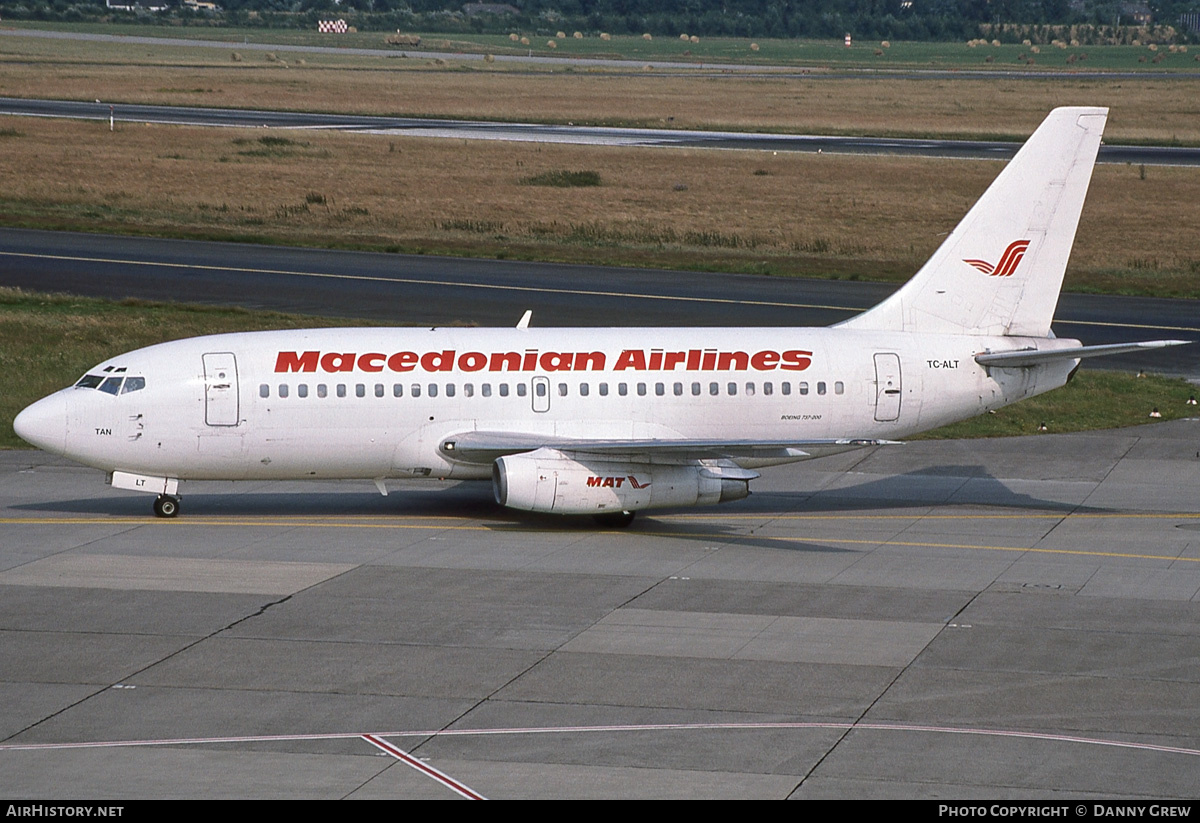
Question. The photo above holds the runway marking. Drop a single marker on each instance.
(424, 768)
(413, 281)
(809, 538)
(614, 729)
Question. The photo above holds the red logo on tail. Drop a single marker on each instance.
(1008, 261)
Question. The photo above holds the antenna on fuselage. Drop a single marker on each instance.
(523, 323)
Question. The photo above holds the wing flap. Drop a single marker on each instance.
(484, 447)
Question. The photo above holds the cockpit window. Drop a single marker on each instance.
(133, 384)
(90, 381)
(111, 385)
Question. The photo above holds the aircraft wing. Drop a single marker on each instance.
(484, 447)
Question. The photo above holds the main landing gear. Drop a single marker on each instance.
(166, 505)
(614, 520)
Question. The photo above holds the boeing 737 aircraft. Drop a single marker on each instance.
(607, 422)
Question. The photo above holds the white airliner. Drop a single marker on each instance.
(607, 422)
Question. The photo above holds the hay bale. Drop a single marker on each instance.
(647, 36)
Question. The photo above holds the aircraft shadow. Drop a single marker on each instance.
(951, 485)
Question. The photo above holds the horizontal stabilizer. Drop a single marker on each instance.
(1033, 357)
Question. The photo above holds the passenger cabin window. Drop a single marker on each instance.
(839, 387)
(397, 390)
(264, 390)
(521, 389)
(379, 390)
(302, 390)
(360, 390)
(820, 387)
(283, 389)
(341, 389)
(804, 387)
(322, 390)
(486, 389)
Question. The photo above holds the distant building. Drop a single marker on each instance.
(1190, 21)
(1138, 13)
(132, 5)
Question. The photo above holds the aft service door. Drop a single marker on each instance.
(887, 387)
(541, 394)
(220, 389)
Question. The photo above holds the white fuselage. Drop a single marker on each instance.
(376, 403)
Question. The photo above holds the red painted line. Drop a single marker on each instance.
(424, 768)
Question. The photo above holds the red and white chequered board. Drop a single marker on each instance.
(331, 26)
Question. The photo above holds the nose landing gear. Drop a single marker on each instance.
(166, 505)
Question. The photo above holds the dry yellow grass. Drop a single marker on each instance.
(809, 214)
(1157, 110)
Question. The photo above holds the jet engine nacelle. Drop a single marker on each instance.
(546, 480)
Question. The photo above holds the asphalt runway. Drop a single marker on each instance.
(428, 290)
(1007, 619)
(542, 133)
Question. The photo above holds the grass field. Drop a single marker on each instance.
(48, 341)
(812, 215)
(870, 218)
(817, 55)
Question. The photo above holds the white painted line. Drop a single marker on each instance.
(618, 728)
(426, 282)
(424, 768)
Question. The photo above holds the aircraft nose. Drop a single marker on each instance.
(44, 424)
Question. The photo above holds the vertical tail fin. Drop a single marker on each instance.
(1000, 270)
